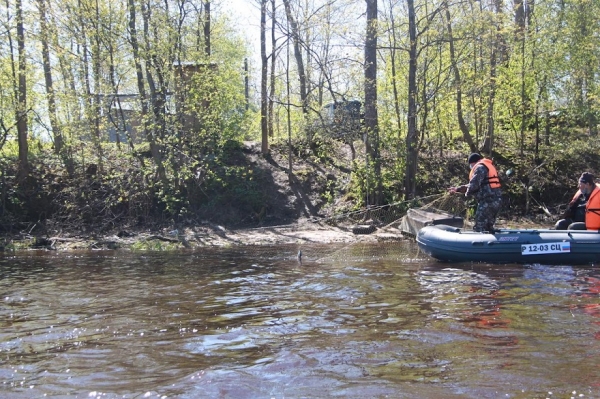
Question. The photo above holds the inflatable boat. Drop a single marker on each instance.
(545, 246)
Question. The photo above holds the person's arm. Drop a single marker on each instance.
(577, 201)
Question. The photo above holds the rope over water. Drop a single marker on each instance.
(383, 219)
(382, 216)
(390, 215)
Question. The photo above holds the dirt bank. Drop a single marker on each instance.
(208, 235)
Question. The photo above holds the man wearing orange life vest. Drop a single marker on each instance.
(592, 209)
(484, 185)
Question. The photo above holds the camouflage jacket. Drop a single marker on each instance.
(479, 188)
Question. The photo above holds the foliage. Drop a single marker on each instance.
(523, 81)
(237, 187)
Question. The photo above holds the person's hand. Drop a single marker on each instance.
(459, 189)
(568, 214)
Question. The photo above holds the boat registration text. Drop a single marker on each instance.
(546, 248)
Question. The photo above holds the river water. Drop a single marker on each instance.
(355, 321)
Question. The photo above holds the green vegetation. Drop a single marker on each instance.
(243, 189)
(112, 116)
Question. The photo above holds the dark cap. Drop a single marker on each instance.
(474, 157)
(586, 177)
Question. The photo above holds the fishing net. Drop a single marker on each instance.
(342, 235)
(454, 204)
(366, 221)
(399, 219)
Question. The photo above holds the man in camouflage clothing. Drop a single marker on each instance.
(484, 185)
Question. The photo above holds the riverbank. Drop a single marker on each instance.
(119, 210)
(206, 235)
(212, 235)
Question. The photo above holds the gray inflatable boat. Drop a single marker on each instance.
(545, 246)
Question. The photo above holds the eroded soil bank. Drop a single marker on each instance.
(206, 236)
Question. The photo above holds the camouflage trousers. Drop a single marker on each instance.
(485, 215)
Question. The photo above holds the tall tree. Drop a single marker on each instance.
(412, 135)
(296, 40)
(207, 49)
(371, 116)
(497, 50)
(585, 63)
(148, 128)
(273, 72)
(458, 83)
(59, 144)
(264, 68)
(393, 54)
(22, 124)
(88, 51)
(97, 77)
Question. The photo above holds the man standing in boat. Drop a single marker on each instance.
(484, 185)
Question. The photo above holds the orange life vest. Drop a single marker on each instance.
(592, 210)
(492, 178)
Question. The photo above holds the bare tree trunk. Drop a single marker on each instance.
(154, 149)
(412, 134)
(207, 49)
(272, 88)
(519, 9)
(496, 47)
(525, 101)
(298, 55)
(458, 82)
(22, 129)
(155, 86)
(288, 113)
(91, 114)
(264, 127)
(394, 73)
(118, 120)
(537, 129)
(67, 75)
(138, 65)
(96, 99)
(521, 37)
(246, 84)
(488, 144)
(371, 116)
(59, 145)
(498, 53)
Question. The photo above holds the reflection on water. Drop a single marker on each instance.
(351, 321)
